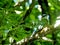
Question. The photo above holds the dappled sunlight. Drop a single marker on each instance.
(58, 0)
(57, 23)
(16, 4)
(40, 17)
(47, 39)
(58, 17)
(45, 29)
(18, 12)
(21, 7)
(27, 5)
(18, 1)
(7, 12)
(36, 6)
(30, 1)
(49, 4)
(40, 27)
(39, 8)
(11, 39)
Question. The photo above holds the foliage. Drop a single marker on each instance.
(13, 25)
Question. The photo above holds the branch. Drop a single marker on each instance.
(39, 34)
(28, 11)
(42, 32)
(44, 6)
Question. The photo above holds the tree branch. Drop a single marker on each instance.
(37, 35)
(28, 11)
